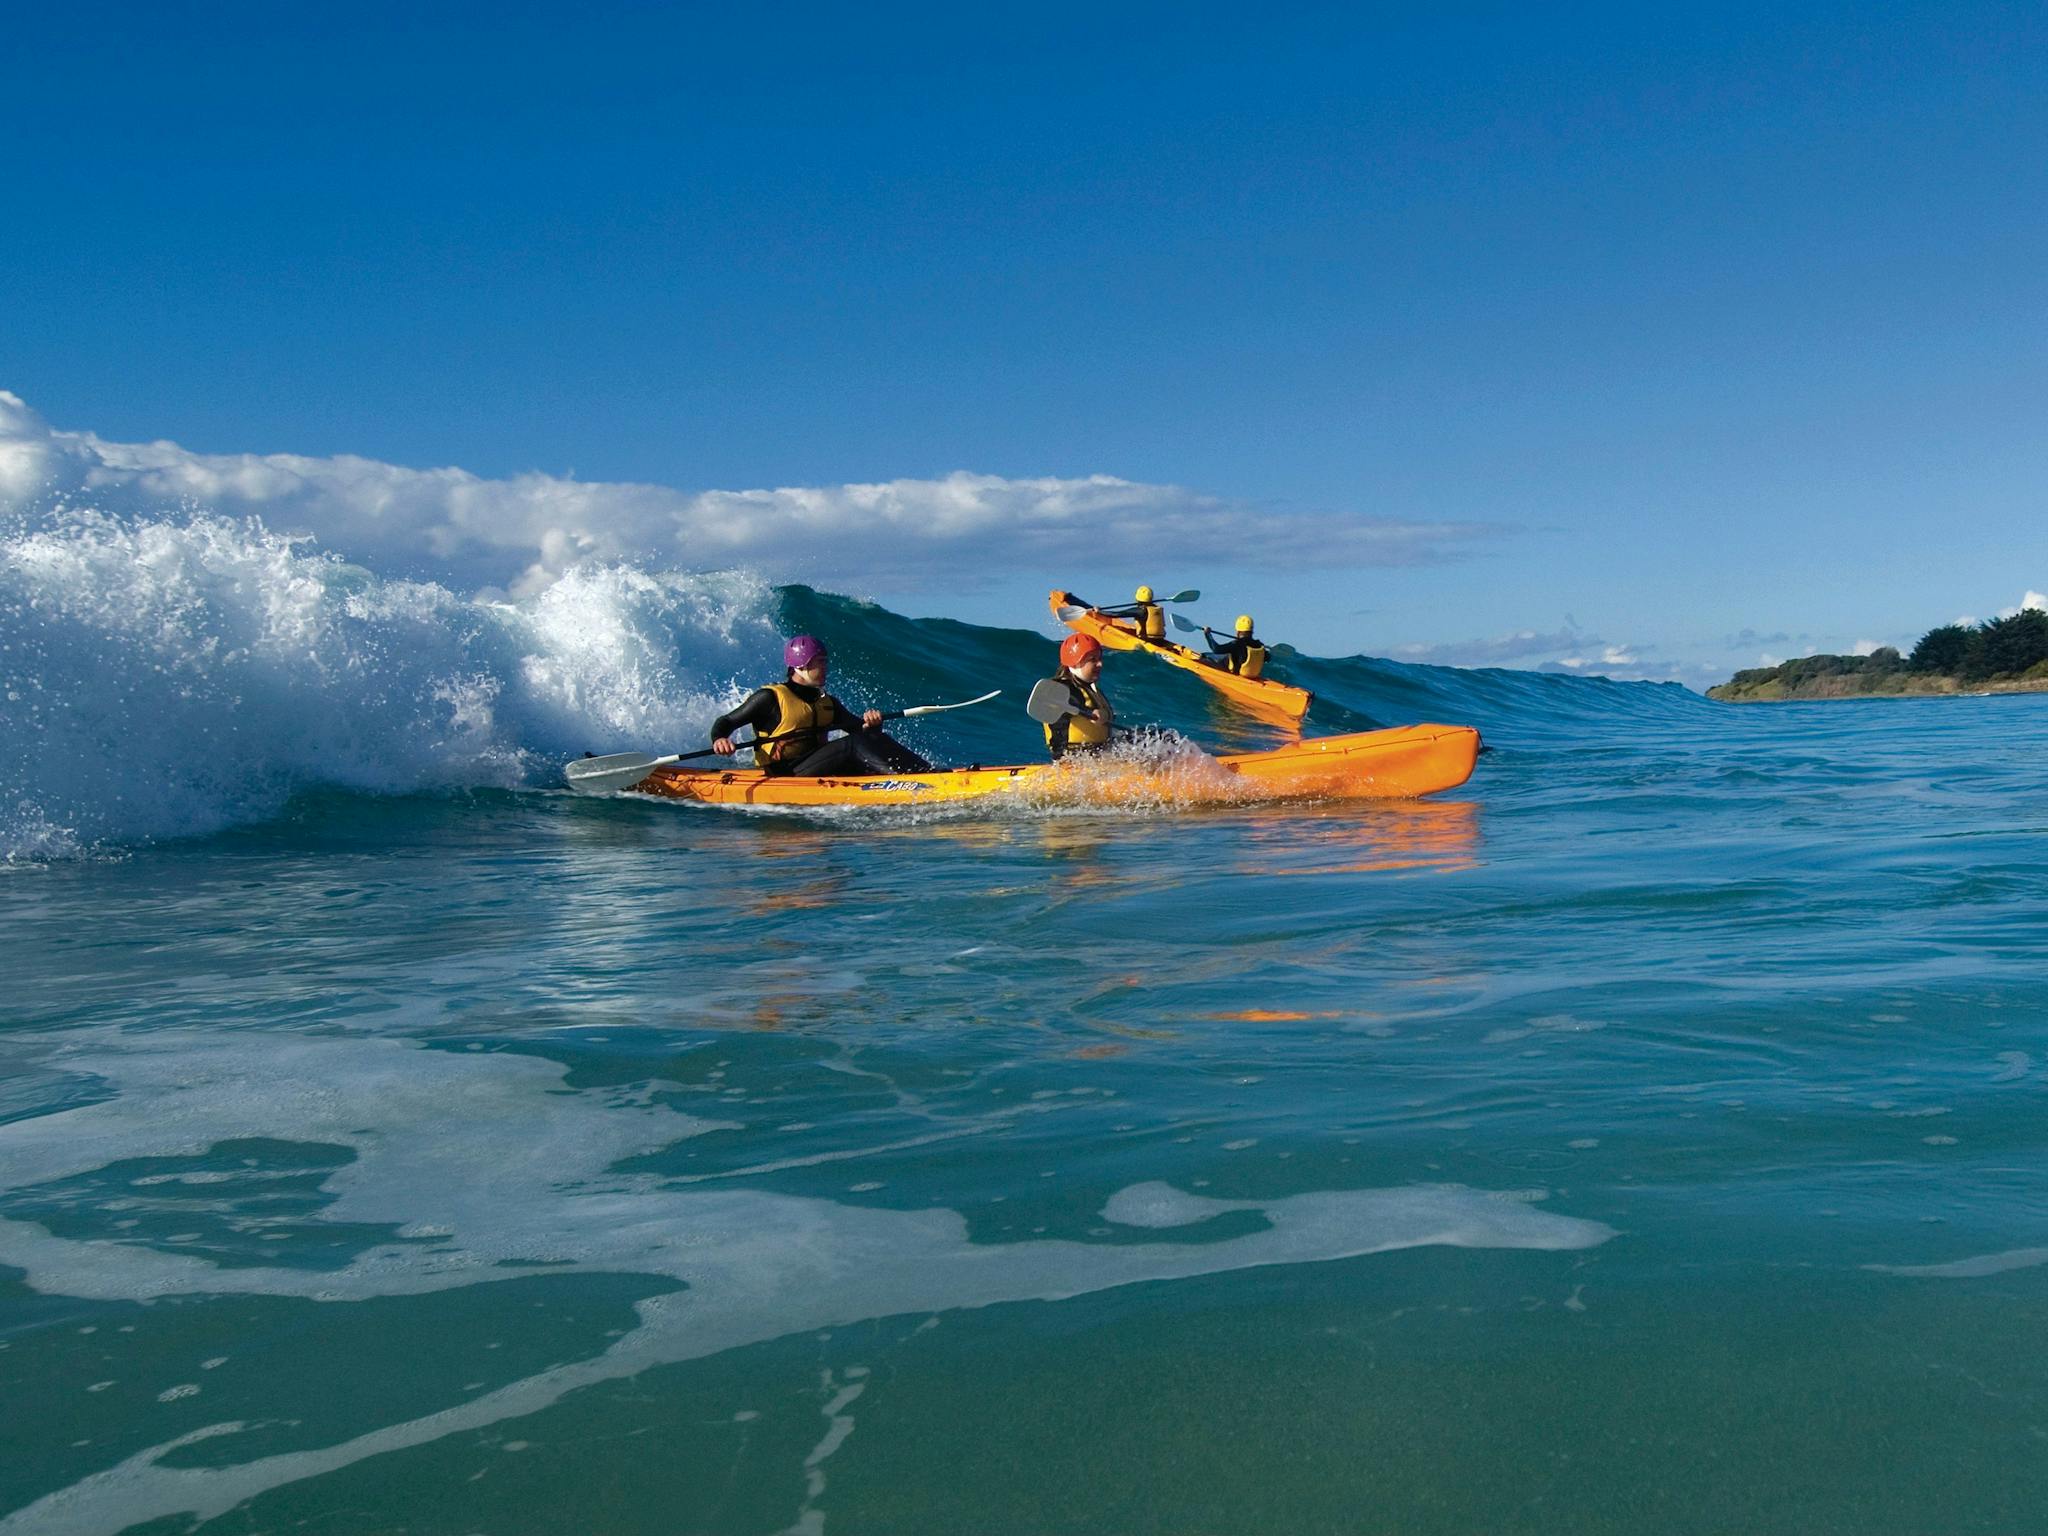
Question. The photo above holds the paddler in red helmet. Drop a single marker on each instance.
(801, 714)
(1087, 727)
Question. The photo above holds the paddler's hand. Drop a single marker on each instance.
(723, 746)
(871, 719)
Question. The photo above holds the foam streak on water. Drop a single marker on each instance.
(756, 1265)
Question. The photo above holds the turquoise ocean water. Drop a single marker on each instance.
(1646, 1137)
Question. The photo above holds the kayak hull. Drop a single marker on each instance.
(1271, 700)
(1399, 764)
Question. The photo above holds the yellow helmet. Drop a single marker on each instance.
(1143, 594)
(1244, 623)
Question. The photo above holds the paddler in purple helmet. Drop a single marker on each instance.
(803, 715)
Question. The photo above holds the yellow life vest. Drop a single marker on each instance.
(1081, 732)
(1151, 621)
(1254, 660)
(798, 714)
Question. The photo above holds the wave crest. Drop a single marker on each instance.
(172, 676)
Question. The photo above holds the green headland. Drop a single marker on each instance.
(2005, 655)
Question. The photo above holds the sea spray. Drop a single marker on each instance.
(172, 676)
(1147, 770)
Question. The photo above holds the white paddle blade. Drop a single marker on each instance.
(1069, 613)
(1182, 597)
(1049, 701)
(602, 775)
(933, 709)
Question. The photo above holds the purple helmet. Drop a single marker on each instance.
(802, 651)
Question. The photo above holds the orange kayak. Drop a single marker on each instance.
(1399, 764)
(1262, 696)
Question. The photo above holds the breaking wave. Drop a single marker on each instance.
(176, 675)
(173, 677)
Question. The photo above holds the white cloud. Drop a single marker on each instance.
(1497, 650)
(1866, 647)
(1635, 662)
(523, 531)
(28, 455)
(1609, 656)
(2031, 600)
(1569, 650)
(1744, 638)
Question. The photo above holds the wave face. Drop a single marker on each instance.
(174, 676)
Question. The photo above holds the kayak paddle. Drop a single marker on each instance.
(933, 709)
(622, 770)
(1190, 627)
(1073, 611)
(1050, 702)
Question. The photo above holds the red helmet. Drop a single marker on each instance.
(1076, 649)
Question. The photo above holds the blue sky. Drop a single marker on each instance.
(1676, 336)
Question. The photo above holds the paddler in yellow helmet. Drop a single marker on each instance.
(1147, 616)
(1243, 653)
(1087, 727)
(802, 715)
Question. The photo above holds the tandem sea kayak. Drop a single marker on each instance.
(1399, 764)
(1262, 696)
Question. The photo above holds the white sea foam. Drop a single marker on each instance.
(494, 1151)
(176, 675)
(1141, 773)
(2013, 1065)
(1976, 1267)
(1161, 1205)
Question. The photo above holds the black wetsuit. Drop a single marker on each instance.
(859, 753)
(1229, 653)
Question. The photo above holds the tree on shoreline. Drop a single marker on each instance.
(2008, 646)
(1942, 650)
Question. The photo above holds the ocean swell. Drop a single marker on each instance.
(173, 674)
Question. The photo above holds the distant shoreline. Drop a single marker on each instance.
(1729, 693)
(2008, 654)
